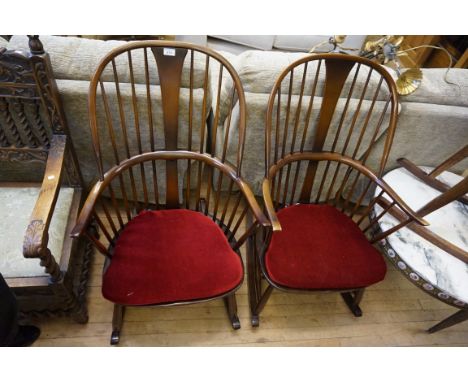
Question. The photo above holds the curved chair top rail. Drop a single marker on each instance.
(195, 99)
(334, 75)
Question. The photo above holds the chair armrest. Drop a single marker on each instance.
(400, 203)
(254, 206)
(270, 209)
(36, 238)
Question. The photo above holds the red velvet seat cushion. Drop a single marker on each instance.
(168, 256)
(321, 248)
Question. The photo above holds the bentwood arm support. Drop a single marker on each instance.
(36, 237)
(88, 209)
(351, 164)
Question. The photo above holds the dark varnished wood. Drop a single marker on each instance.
(456, 318)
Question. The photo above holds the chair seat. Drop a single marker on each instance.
(436, 270)
(16, 206)
(171, 256)
(321, 248)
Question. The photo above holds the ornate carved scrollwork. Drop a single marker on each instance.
(47, 94)
(32, 245)
(16, 75)
(35, 246)
(22, 155)
(37, 120)
(4, 142)
(23, 122)
(10, 125)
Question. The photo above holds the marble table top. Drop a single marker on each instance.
(436, 266)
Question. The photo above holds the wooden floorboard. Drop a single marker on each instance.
(396, 313)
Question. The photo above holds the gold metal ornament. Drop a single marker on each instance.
(395, 40)
(339, 39)
(409, 81)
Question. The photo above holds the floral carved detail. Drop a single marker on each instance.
(35, 246)
(32, 245)
(15, 68)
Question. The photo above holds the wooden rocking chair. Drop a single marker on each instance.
(170, 208)
(328, 117)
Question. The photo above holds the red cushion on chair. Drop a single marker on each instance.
(169, 256)
(321, 248)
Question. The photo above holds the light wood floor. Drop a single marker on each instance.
(396, 313)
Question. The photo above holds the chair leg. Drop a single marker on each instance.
(80, 314)
(117, 321)
(352, 299)
(260, 305)
(460, 316)
(254, 280)
(231, 306)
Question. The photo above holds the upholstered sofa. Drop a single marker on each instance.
(433, 121)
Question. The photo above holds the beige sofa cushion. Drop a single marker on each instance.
(16, 205)
(259, 70)
(304, 43)
(76, 58)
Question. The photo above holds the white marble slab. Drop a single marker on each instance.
(450, 222)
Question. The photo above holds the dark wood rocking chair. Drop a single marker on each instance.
(171, 209)
(435, 258)
(329, 118)
(45, 267)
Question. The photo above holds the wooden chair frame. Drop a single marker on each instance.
(27, 79)
(448, 195)
(338, 68)
(212, 170)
